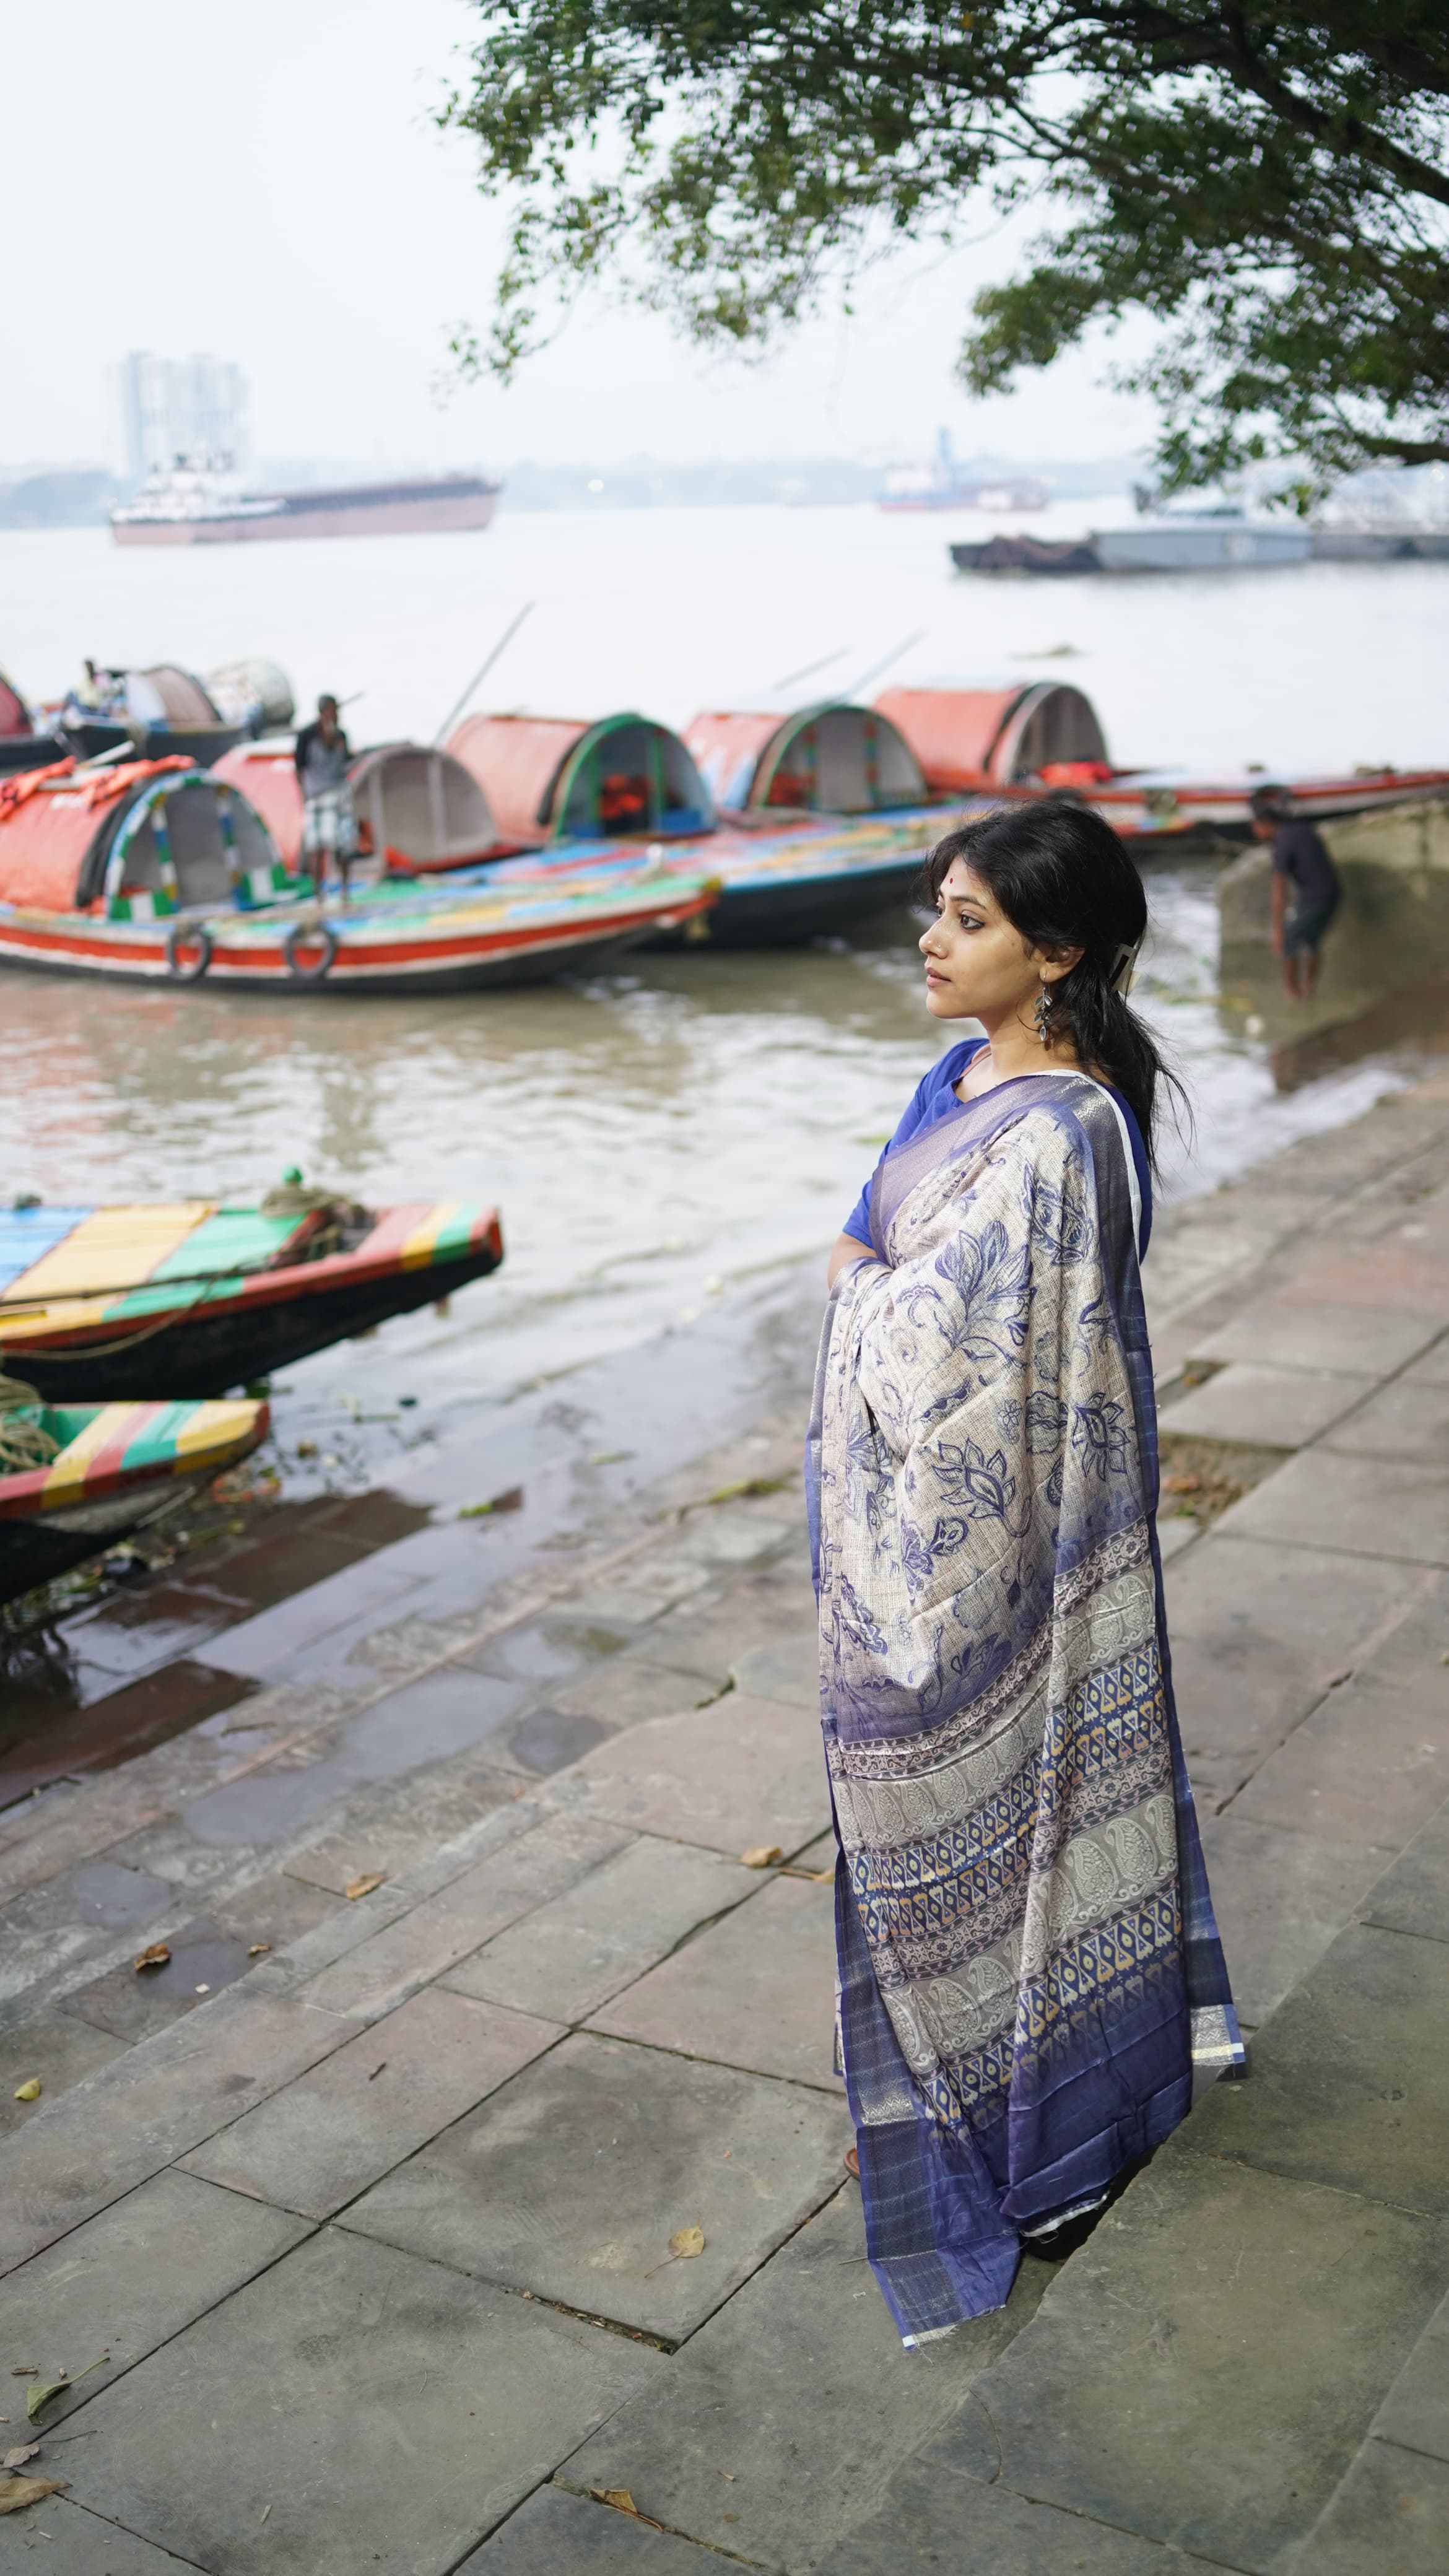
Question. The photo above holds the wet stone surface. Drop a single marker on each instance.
(571, 2181)
(396, 2304)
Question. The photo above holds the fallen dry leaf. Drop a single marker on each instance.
(761, 1856)
(156, 1957)
(258, 1949)
(684, 2244)
(364, 1885)
(17, 2493)
(618, 2497)
(29, 2091)
(43, 2391)
(22, 2452)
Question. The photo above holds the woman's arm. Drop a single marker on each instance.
(844, 1250)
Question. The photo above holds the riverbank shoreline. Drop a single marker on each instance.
(472, 2005)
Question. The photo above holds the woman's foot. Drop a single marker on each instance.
(852, 2162)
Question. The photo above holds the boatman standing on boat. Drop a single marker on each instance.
(329, 826)
(1300, 861)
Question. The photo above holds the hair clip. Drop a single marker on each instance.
(1124, 967)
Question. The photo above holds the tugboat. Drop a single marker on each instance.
(199, 501)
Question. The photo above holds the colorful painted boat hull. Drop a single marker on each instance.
(191, 1300)
(467, 939)
(119, 1467)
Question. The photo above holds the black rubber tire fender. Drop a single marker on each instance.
(188, 934)
(306, 934)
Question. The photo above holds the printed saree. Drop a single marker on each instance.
(1028, 1963)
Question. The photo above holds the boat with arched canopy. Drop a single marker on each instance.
(154, 871)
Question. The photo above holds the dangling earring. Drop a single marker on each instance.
(1044, 1015)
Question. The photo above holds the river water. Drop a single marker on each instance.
(659, 1138)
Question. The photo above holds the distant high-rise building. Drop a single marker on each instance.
(174, 407)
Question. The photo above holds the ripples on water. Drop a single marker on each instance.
(656, 1137)
(652, 1138)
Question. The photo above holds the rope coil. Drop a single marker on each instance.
(23, 1443)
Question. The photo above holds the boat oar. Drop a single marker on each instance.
(876, 668)
(792, 678)
(480, 675)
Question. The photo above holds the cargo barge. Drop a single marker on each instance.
(200, 505)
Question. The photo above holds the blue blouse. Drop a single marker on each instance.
(934, 1098)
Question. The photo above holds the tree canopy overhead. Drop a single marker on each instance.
(1270, 185)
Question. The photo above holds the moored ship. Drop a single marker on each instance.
(202, 503)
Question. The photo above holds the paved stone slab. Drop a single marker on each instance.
(277, 1909)
(756, 1990)
(203, 1960)
(1401, 1421)
(1366, 1766)
(385, 2409)
(322, 2140)
(131, 2278)
(542, 1650)
(1176, 1532)
(640, 1591)
(395, 1827)
(549, 1739)
(1204, 2367)
(1432, 1369)
(1281, 1897)
(1351, 2077)
(1367, 1506)
(87, 2545)
(1259, 1634)
(1293, 1334)
(770, 2391)
(569, 1957)
(571, 2181)
(444, 1714)
(147, 2108)
(708, 1637)
(436, 1934)
(931, 2519)
(787, 1668)
(734, 1775)
(59, 2049)
(1416, 2409)
(1413, 1895)
(630, 1687)
(1279, 1408)
(557, 2532)
(1390, 2515)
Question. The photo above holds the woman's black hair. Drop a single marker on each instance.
(1064, 880)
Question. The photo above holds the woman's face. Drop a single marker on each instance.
(978, 966)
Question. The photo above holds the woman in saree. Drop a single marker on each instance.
(1029, 1970)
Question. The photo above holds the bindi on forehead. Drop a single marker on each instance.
(961, 884)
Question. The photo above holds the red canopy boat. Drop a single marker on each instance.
(156, 871)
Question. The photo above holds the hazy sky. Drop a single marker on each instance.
(264, 182)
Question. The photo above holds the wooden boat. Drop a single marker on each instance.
(827, 811)
(111, 1468)
(193, 1299)
(555, 779)
(157, 872)
(418, 809)
(1027, 741)
(833, 758)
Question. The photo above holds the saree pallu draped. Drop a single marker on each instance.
(1028, 1962)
